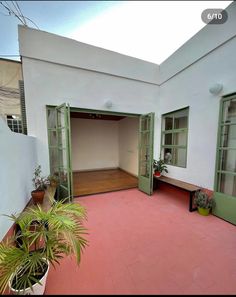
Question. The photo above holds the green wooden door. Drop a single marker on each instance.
(146, 128)
(59, 138)
(225, 177)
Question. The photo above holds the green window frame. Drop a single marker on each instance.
(174, 137)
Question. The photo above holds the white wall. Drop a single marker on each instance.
(191, 88)
(94, 144)
(65, 51)
(128, 145)
(47, 83)
(18, 161)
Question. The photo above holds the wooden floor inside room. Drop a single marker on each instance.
(100, 181)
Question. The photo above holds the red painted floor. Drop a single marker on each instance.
(149, 245)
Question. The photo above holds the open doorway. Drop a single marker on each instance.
(104, 152)
(118, 145)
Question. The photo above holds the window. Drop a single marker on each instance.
(174, 137)
(14, 123)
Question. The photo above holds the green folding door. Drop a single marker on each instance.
(59, 138)
(225, 177)
(146, 128)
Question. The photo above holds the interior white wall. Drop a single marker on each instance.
(18, 161)
(191, 88)
(128, 144)
(94, 144)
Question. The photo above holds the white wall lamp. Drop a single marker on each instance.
(108, 104)
(216, 88)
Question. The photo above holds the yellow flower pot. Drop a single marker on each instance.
(203, 211)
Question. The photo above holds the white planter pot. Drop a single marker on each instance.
(37, 288)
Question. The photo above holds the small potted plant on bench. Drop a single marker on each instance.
(203, 202)
(159, 166)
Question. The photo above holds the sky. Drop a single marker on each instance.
(148, 30)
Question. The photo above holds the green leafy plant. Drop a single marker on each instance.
(39, 182)
(43, 236)
(53, 179)
(203, 200)
(159, 166)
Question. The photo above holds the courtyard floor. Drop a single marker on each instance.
(149, 245)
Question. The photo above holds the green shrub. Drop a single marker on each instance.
(39, 182)
(159, 166)
(203, 200)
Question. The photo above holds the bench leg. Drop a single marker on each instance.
(191, 202)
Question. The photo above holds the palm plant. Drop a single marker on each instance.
(44, 237)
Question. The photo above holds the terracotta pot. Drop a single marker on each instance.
(157, 173)
(37, 196)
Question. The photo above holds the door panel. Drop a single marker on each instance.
(60, 149)
(146, 127)
(225, 177)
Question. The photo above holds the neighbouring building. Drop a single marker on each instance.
(11, 93)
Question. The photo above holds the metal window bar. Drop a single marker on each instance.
(23, 108)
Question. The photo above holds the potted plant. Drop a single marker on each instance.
(40, 184)
(203, 202)
(159, 166)
(45, 237)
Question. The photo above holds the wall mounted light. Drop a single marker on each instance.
(216, 88)
(108, 103)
